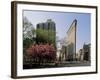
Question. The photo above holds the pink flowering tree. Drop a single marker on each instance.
(42, 53)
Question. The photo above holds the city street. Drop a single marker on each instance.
(62, 64)
(74, 63)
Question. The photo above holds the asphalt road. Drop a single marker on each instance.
(74, 64)
(62, 64)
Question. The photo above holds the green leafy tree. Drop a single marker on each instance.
(28, 36)
(28, 33)
(45, 36)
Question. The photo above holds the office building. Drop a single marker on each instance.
(46, 32)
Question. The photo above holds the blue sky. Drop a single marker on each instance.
(63, 21)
